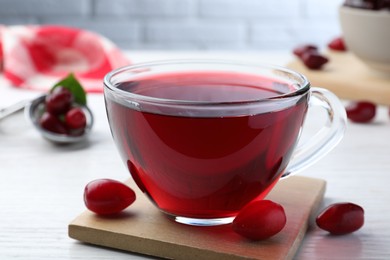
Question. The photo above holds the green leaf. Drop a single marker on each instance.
(70, 82)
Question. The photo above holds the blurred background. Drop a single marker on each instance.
(187, 24)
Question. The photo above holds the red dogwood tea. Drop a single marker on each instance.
(210, 166)
(202, 142)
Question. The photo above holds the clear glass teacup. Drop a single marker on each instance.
(203, 138)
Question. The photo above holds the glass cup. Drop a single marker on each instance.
(203, 138)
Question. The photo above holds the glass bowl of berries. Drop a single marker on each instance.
(365, 25)
(62, 116)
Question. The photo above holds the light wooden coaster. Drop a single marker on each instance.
(143, 229)
(349, 78)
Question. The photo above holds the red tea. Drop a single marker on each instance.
(207, 164)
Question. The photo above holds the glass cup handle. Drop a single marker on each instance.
(326, 138)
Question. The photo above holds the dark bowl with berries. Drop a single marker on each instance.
(365, 25)
(62, 116)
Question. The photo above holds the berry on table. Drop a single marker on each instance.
(260, 220)
(337, 44)
(300, 50)
(310, 56)
(361, 111)
(106, 196)
(341, 218)
(314, 60)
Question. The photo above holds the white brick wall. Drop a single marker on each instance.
(44, 7)
(187, 24)
(249, 9)
(145, 8)
(204, 33)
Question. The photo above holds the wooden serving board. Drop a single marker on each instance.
(141, 228)
(349, 78)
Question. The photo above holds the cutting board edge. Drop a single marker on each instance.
(166, 250)
(317, 205)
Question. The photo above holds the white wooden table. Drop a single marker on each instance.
(41, 185)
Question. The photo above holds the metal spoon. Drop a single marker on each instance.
(13, 109)
(33, 110)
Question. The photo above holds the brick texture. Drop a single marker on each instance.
(125, 33)
(44, 7)
(202, 34)
(145, 8)
(187, 24)
(249, 9)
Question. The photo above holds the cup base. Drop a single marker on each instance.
(201, 221)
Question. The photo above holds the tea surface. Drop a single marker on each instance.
(205, 167)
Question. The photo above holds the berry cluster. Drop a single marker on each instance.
(62, 114)
(258, 220)
(312, 58)
(368, 4)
